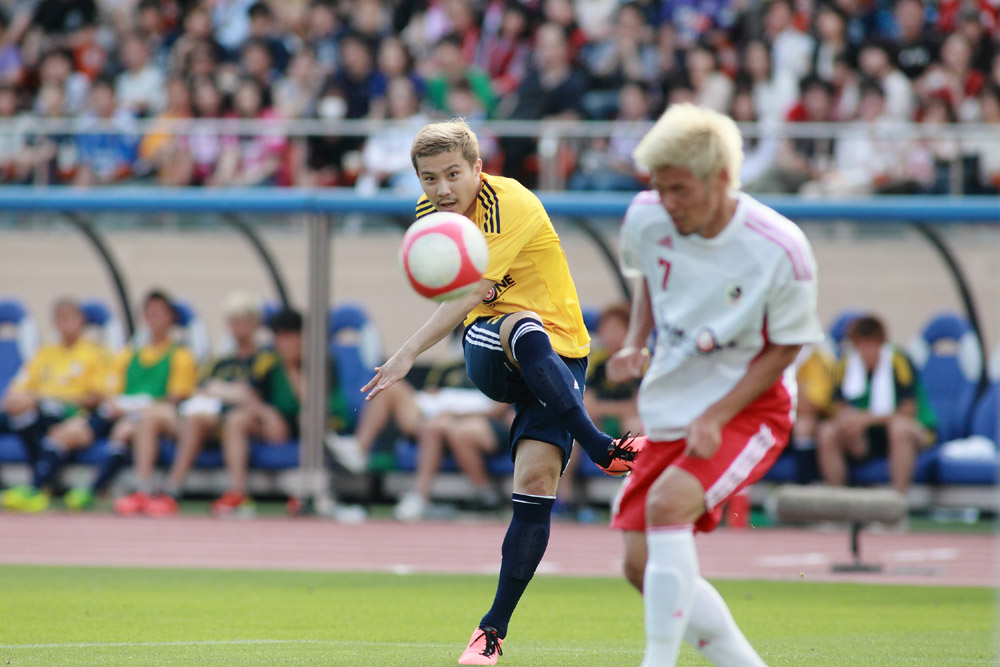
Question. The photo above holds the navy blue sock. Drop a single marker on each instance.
(523, 548)
(116, 460)
(28, 427)
(553, 384)
(50, 461)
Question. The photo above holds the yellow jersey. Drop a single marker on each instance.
(527, 264)
(134, 375)
(67, 374)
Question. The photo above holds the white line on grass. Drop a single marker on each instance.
(233, 642)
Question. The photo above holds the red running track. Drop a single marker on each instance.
(474, 547)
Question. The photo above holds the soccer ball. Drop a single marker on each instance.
(443, 255)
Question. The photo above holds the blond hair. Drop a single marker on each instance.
(699, 140)
(445, 137)
(241, 304)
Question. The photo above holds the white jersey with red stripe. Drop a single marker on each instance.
(716, 303)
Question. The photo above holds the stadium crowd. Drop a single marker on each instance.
(109, 63)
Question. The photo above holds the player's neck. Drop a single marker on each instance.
(722, 218)
(471, 213)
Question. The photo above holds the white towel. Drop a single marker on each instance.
(882, 396)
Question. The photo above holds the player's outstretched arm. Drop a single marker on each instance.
(447, 316)
(630, 361)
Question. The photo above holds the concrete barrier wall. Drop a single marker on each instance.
(896, 273)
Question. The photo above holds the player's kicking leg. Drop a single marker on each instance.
(547, 376)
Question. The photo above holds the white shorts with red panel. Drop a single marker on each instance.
(750, 445)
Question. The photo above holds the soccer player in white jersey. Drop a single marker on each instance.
(730, 286)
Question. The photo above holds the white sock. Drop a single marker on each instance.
(713, 631)
(668, 591)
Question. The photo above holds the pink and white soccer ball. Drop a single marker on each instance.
(443, 255)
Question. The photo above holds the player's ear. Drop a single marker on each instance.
(477, 168)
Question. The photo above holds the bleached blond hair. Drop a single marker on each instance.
(445, 137)
(699, 140)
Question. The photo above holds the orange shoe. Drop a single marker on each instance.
(132, 504)
(233, 503)
(623, 452)
(161, 505)
(483, 648)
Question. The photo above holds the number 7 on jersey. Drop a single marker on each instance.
(666, 272)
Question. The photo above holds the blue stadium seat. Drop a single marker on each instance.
(356, 348)
(947, 358)
(838, 329)
(877, 471)
(274, 457)
(18, 339)
(498, 464)
(109, 329)
(591, 318)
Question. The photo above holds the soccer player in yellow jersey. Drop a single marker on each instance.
(525, 343)
(61, 380)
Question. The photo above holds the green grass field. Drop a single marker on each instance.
(88, 616)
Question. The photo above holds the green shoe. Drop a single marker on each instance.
(79, 499)
(15, 497)
(38, 501)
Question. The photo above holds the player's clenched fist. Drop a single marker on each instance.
(627, 363)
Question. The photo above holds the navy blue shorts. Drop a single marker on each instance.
(494, 375)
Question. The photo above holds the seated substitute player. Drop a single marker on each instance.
(271, 415)
(880, 409)
(226, 385)
(62, 380)
(730, 286)
(525, 343)
(147, 383)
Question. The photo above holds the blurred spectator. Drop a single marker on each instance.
(59, 24)
(295, 94)
(231, 22)
(875, 60)
(627, 54)
(325, 153)
(954, 77)
(203, 148)
(370, 21)
(14, 167)
(256, 62)
(106, 156)
(196, 49)
(988, 149)
(48, 159)
(880, 409)
(971, 25)
(563, 14)
(917, 43)
(695, 21)
(152, 24)
(10, 55)
(147, 381)
(357, 79)
(60, 381)
(225, 386)
(393, 59)
(845, 90)
(251, 158)
(449, 69)
(815, 380)
(56, 68)
(504, 54)
(801, 160)
(607, 164)
(867, 156)
(140, 88)
(324, 34)
(386, 155)
(279, 381)
(163, 149)
(791, 49)
(929, 160)
(263, 29)
(759, 148)
(831, 32)
(464, 25)
(552, 89)
(712, 89)
(774, 93)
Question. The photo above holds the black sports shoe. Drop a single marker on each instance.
(623, 454)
